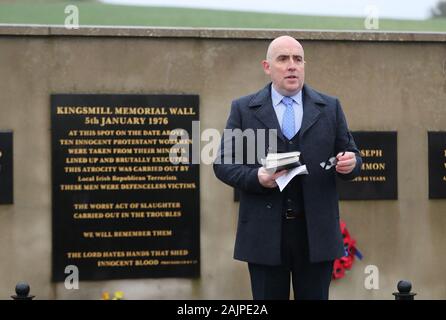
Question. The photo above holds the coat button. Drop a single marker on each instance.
(269, 205)
(290, 142)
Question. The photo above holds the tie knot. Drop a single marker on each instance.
(287, 101)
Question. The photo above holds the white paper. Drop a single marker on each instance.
(282, 181)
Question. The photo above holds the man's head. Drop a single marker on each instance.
(285, 65)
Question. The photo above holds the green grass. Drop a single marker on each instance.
(94, 13)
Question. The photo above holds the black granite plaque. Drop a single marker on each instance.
(6, 172)
(437, 165)
(121, 208)
(378, 178)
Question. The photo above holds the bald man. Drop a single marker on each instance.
(293, 235)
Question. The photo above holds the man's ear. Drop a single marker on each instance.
(266, 67)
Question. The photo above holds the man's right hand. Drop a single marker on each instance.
(269, 180)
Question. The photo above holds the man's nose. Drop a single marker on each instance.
(292, 66)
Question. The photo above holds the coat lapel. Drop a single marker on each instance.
(312, 112)
(265, 112)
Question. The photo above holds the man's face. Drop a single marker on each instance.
(285, 65)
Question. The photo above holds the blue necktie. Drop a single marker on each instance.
(288, 118)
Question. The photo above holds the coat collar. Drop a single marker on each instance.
(312, 102)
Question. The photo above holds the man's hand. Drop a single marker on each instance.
(269, 180)
(346, 163)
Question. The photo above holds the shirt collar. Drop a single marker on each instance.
(276, 97)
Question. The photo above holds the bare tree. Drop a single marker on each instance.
(440, 10)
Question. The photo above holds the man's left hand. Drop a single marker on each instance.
(346, 163)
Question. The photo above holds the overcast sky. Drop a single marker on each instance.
(398, 9)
